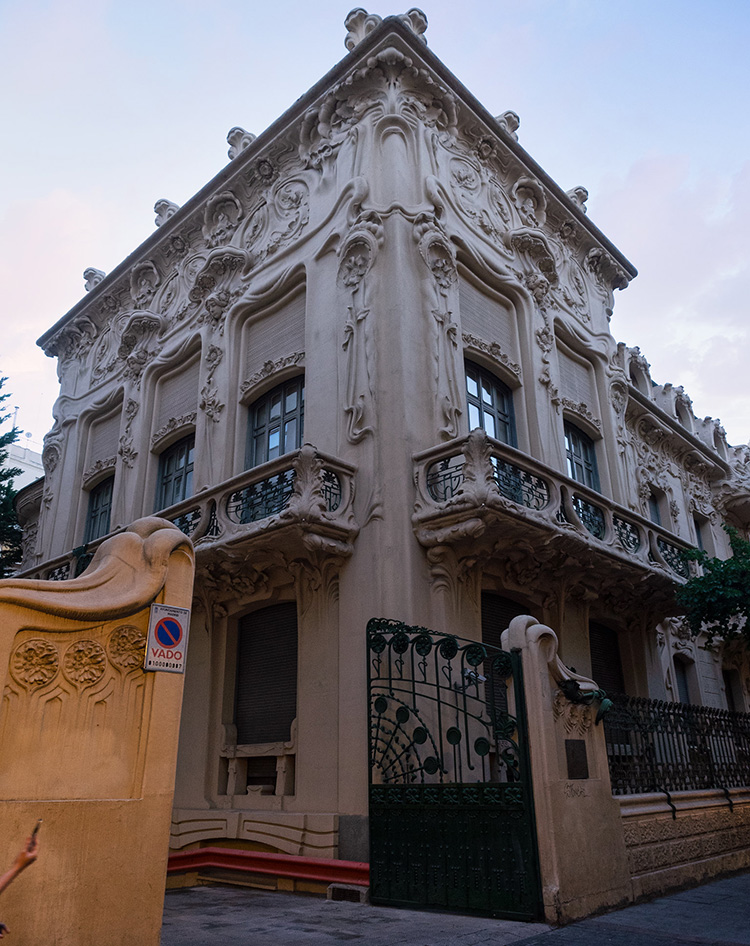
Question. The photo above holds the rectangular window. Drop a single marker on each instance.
(266, 701)
(99, 511)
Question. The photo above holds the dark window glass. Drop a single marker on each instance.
(581, 458)
(490, 404)
(99, 511)
(653, 509)
(276, 423)
(266, 702)
(176, 473)
(699, 533)
(730, 676)
(606, 665)
(681, 679)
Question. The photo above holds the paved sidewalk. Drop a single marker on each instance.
(716, 914)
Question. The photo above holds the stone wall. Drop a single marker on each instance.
(704, 837)
(89, 742)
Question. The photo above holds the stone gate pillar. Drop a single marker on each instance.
(582, 857)
(88, 742)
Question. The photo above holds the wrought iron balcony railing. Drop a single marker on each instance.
(305, 491)
(476, 473)
(655, 746)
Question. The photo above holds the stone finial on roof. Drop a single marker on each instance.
(579, 195)
(93, 277)
(238, 139)
(164, 209)
(359, 23)
(510, 122)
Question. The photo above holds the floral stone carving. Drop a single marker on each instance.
(126, 647)
(34, 663)
(84, 662)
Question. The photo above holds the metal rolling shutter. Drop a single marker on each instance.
(103, 438)
(606, 665)
(497, 613)
(266, 702)
(487, 318)
(178, 394)
(576, 381)
(276, 335)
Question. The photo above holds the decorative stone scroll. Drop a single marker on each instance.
(359, 24)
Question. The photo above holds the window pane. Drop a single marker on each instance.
(489, 425)
(290, 435)
(653, 509)
(471, 386)
(273, 443)
(474, 419)
(486, 393)
(275, 411)
(291, 401)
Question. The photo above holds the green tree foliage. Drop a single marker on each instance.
(717, 602)
(10, 531)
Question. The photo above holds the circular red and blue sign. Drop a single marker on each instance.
(168, 632)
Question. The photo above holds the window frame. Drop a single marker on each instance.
(165, 488)
(585, 461)
(265, 429)
(97, 510)
(501, 410)
(653, 507)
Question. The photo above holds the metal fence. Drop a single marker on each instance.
(655, 746)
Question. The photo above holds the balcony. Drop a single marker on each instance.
(484, 498)
(301, 503)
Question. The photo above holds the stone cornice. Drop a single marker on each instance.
(675, 431)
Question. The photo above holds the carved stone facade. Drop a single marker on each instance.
(385, 237)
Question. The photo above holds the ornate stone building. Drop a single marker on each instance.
(368, 368)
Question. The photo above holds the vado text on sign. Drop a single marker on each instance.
(167, 638)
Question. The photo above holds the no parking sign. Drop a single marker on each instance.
(167, 638)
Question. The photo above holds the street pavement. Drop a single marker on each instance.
(716, 914)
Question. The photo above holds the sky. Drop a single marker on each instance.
(108, 106)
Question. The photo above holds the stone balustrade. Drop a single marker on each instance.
(302, 496)
(464, 484)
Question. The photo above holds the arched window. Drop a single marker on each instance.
(276, 422)
(100, 508)
(490, 404)
(581, 457)
(175, 480)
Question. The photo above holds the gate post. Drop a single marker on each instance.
(582, 855)
(88, 743)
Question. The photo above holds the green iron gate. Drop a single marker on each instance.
(451, 808)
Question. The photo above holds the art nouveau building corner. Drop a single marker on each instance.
(368, 369)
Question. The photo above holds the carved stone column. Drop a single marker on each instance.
(582, 855)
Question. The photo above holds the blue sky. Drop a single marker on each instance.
(109, 106)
